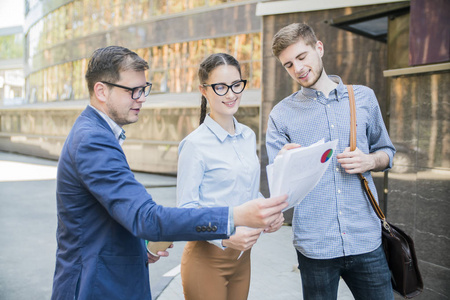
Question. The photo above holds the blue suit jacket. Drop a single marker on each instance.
(104, 214)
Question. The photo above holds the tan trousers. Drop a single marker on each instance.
(210, 273)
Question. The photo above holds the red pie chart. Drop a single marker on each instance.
(326, 155)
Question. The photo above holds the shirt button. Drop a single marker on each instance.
(339, 191)
(337, 169)
(340, 212)
(328, 105)
(198, 228)
(214, 228)
(315, 99)
(332, 126)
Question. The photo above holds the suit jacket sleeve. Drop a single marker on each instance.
(104, 171)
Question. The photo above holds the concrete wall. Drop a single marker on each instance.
(418, 199)
(152, 142)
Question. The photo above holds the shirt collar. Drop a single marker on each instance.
(221, 133)
(312, 93)
(117, 130)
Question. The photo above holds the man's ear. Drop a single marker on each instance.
(101, 91)
(319, 48)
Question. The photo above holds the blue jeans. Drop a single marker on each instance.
(367, 275)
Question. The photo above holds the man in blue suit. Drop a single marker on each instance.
(104, 214)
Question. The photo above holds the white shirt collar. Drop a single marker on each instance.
(117, 130)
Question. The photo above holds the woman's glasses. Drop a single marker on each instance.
(221, 89)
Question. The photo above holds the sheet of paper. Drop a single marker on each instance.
(298, 171)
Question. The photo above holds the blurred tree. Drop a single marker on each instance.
(11, 46)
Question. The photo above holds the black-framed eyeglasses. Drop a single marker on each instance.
(221, 89)
(136, 92)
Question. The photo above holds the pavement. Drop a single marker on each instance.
(28, 244)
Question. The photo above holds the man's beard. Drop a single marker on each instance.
(317, 79)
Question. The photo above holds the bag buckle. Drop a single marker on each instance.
(386, 226)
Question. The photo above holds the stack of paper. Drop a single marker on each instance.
(298, 170)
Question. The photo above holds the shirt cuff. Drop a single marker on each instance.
(231, 228)
(217, 243)
(390, 153)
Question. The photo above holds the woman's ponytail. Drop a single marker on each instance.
(203, 110)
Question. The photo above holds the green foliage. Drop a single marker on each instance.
(11, 46)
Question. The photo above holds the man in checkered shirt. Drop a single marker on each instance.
(336, 232)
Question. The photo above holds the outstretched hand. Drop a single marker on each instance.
(259, 213)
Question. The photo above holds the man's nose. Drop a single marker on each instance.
(142, 98)
(298, 67)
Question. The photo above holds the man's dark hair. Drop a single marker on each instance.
(106, 64)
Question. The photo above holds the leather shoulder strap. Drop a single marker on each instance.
(364, 182)
(351, 97)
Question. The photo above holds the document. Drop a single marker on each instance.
(297, 171)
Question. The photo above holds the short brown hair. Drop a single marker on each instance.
(107, 63)
(291, 34)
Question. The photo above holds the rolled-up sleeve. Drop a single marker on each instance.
(377, 134)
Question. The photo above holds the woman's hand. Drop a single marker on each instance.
(243, 239)
(275, 225)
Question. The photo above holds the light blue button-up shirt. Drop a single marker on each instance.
(216, 168)
(335, 219)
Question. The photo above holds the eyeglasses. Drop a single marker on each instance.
(221, 89)
(136, 92)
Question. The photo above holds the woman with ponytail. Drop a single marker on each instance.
(218, 166)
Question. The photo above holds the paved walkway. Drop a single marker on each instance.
(28, 228)
(274, 272)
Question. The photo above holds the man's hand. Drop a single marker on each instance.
(259, 213)
(288, 147)
(152, 259)
(243, 239)
(355, 162)
(275, 225)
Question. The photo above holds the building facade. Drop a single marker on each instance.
(398, 48)
(11, 66)
(173, 36)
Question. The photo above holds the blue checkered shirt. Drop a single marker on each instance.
(335, 219)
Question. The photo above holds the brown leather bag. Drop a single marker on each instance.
(398, 246)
